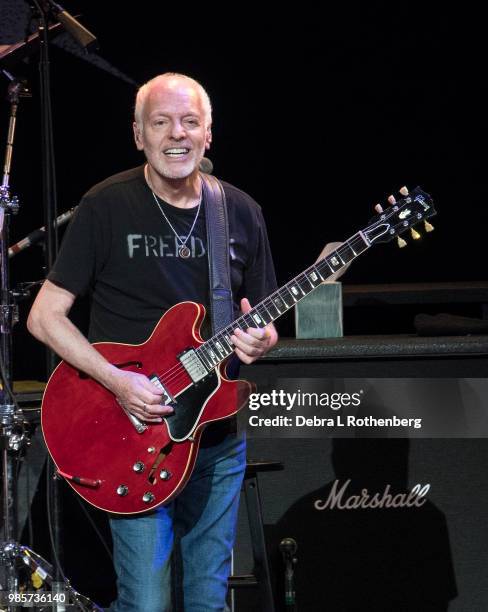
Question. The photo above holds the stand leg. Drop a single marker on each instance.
(263, 575)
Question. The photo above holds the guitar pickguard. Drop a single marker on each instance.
(188, 407)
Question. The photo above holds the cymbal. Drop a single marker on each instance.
(11, 55)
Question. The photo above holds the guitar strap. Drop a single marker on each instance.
(221, 304)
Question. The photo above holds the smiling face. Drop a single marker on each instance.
(172, 128)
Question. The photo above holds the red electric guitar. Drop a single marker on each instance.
(123, 465)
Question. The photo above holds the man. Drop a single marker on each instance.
(138, 245)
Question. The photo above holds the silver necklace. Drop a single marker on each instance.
(183, 250)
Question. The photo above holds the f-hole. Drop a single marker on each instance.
(163, 453)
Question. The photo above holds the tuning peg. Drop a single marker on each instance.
(401, 243)
(415, 234)
(428, 226)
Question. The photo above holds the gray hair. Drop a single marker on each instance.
(144, 91)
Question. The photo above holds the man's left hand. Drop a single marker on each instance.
(254, 342)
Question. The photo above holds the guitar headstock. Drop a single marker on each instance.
(407, 213)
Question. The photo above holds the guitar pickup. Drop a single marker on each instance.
(193, 365)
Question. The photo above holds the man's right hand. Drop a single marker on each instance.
(137, 394)
(48, 321)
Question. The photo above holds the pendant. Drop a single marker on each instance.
(184, 252)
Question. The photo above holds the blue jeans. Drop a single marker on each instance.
(177, 558)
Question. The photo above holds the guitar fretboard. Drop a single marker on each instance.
(220, 346)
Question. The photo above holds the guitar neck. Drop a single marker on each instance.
(220, 346)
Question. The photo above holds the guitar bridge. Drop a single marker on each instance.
(193, 365)
(166, 398)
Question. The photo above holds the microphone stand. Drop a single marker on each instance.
(288, 548)
(23, 572)
(49, 199)
(41, 10)
(38, 234)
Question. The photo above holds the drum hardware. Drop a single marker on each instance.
(21, 569)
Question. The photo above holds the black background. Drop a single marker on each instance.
(320, 111)
(318, 117)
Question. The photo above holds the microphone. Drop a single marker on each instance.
(82, 36)
(206, 166)
(39, 234)
(288, 547)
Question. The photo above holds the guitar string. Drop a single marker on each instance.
(170, 376)
(178, 368)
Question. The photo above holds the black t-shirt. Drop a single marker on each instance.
(121, 250)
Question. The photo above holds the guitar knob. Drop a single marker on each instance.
(122, 490)
(138, 466)
(428, 226)
(148, 497)
(164, 475)
(401, 243)
(415, 234)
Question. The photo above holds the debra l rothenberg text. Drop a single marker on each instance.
(337, 421)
